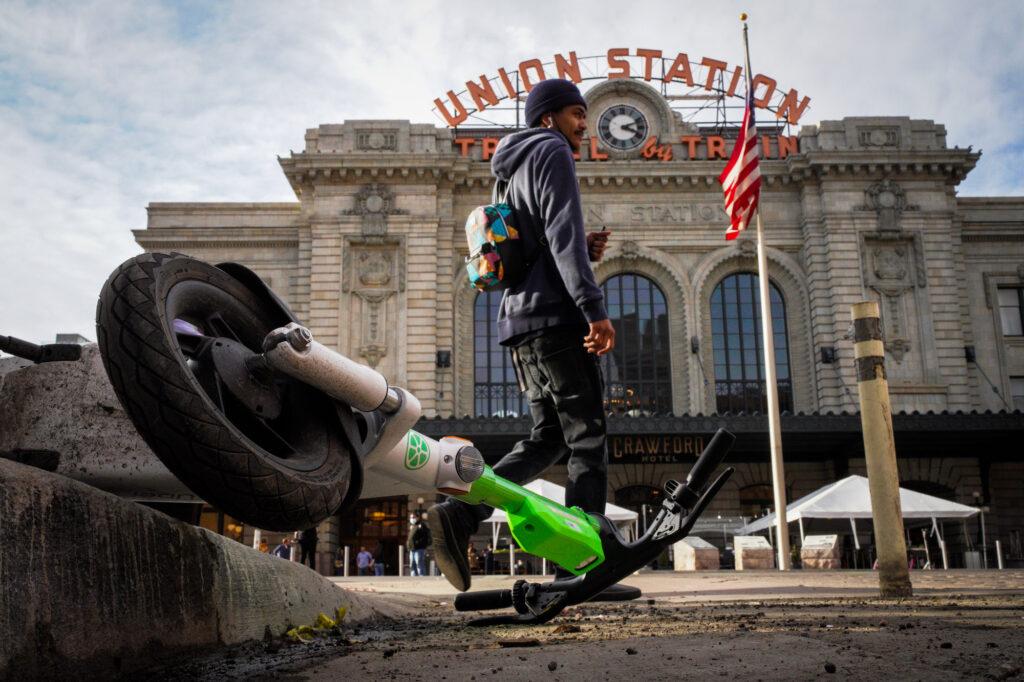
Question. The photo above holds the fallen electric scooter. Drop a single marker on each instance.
(257, 417)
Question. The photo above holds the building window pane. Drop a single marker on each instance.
(495, 389)
(1011, 311)
(738, 354)
(637, 373)
(1017, 393)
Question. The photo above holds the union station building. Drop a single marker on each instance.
(370, 256)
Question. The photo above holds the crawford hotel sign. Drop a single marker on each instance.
(622, 121)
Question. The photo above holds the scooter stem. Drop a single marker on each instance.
(568, 537)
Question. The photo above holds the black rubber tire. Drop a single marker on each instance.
(181, 423)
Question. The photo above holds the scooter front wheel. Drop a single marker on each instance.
(180, 340)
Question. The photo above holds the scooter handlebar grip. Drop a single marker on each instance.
(709, 460)
(485, 600)
(20, 348)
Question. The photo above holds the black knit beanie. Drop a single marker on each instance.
(551, 95)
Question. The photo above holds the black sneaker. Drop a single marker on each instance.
(449, 537)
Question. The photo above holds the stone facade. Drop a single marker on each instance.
(370, 257)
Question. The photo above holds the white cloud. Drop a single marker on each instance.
(106, 106)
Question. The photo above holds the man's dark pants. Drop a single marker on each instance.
(565, 392)
(308, 553)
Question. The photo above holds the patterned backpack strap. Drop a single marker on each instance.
(500, 191)
(499, 195)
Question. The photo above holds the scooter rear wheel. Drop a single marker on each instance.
(158, 319)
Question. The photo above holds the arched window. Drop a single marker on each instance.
(495, 388)
(736, 342)
(930, 488)
(637, 372)
(758, 498)
(636, 497)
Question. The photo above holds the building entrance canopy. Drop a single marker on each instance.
(672, 439)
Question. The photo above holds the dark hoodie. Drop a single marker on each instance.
(559, 290)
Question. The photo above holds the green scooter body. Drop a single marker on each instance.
(567, 536)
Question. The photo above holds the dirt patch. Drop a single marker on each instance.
(955, 637)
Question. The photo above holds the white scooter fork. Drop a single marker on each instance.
(450, 465)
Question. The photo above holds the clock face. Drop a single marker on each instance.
(622, 126)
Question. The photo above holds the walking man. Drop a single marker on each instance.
(554, 321)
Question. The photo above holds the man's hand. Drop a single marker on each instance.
(601, 338)
(596, 244)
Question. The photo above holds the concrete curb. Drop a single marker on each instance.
(94, 583)
(68, 418)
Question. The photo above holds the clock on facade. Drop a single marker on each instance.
(622, 126)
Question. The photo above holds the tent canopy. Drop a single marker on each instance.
(555, 492)
(850, 498)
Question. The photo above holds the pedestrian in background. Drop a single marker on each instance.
(307, 543)
(489, 560)
(283, 550)
(363, 561)
(419, 540)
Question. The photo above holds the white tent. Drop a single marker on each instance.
(849, 498)
(617, 515)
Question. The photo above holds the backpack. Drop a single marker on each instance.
(496, 260)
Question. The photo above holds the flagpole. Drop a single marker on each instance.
(770, 376)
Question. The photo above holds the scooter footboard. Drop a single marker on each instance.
(684, 503)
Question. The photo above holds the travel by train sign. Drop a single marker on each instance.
(679, 78)
(686, 147)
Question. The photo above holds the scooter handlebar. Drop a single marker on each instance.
(709, 460)
(485, 600)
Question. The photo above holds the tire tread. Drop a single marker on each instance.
(174, 421)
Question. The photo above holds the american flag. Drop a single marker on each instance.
(741, 179)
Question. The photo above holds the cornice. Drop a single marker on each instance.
(223, 206)
(317, 168)
(1009, 237)
(189, 244)
(955, 163)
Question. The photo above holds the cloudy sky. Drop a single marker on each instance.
(106, 106)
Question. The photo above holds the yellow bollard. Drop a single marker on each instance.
(880, 451)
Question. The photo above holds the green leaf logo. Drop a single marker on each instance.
(418, 452)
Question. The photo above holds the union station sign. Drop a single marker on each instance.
(676, 78)
(483, 94)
